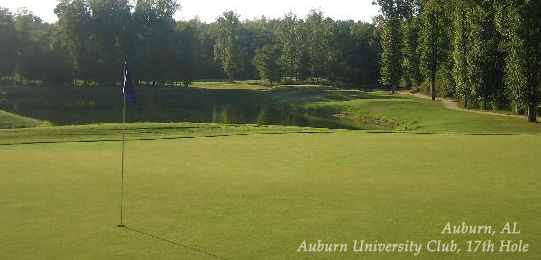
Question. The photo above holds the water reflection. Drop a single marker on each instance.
(198, 106)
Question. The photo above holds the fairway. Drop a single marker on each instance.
(260, 196)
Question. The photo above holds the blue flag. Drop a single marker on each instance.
(129, 85)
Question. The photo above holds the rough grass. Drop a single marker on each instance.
(260, 196)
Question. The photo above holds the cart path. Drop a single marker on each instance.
(453, 105)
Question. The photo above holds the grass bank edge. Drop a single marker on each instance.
(141, 131)
(13, 121)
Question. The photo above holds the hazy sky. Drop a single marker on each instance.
(209, 10)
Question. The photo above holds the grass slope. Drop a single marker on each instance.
(405, 113)
(260, 196)
(9, 120)
(239, 85)
(139, 131)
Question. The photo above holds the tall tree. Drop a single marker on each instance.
(460, 52)
(391, 42)
(410, 40)
(155, 29)
(317, 44)
(8, 44)
(74, 25)
(519, 22)
(266, 61)
(110, 20)
(33, 37)
(434, 41)
(226, 48)
(206, 66)
(57, 70)
(289, 36)
(430, 42)
(340, 44)
(185, 50)
(255, 34)
(485, 76)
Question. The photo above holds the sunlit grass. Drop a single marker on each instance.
(418, 115)
(260, 196)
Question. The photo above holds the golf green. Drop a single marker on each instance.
(262, 196)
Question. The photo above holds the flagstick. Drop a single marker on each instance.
(121, 225)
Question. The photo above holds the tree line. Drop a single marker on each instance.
(485, 53)
(93, 38)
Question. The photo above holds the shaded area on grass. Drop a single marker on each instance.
(176, 243)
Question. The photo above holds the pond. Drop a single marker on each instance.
(75, 106)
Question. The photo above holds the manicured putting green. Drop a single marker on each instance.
(260, 196)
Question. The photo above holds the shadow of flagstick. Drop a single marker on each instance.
(176, 243)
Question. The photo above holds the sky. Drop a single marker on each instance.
(209, 10)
